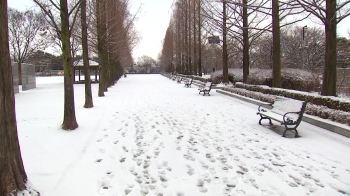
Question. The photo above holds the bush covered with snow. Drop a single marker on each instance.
(251, 94)
(294, 79)
(328, 101)
(322, 111)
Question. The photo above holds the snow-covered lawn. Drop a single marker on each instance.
(152, 136)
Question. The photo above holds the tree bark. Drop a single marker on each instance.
(195, 69)
(69, 120)
(224, 46)
(190, 71)
(329, 85)
(199, 40)
(245, 42)
(186, 38)
(84, 41)
(101, 62)
(12, 174)
(276, 56)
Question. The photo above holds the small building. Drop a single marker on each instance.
(79, 71)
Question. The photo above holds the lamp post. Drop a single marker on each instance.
(304, 47)
(304, 27)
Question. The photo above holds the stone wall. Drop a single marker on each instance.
(15, 77)
(28, 77)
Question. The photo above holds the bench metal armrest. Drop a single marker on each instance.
(287, 120)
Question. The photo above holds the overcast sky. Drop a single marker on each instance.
(153, 20)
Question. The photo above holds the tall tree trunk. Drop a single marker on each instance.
(224, 46)
(276, 56)
(104, 58)
(84, 41)
(183, 38)
(99, 21)
(69, 121)
(245, 42)
(199, 40)
(190, 71)
(186, 37)
(195, 69)
(12, 174)
(178, 43)
(329, 85)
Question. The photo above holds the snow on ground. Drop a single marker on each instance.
(152, 136)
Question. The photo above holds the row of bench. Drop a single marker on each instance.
(288, 112)
(205, 89)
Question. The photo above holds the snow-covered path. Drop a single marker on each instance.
(152, 136)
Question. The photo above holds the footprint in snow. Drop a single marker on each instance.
(98, 161)
(104, 185)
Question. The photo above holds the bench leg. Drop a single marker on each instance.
(262, 117)
(291, 129)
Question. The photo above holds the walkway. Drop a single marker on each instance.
(156, 137)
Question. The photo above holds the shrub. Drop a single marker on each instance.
(293, 79)
(322, 111)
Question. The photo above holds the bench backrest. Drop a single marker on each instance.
(208, 85)
(283, 105)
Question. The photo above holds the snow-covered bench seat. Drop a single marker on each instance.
(205, 89)
(288, 112)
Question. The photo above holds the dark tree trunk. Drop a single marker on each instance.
(224, 46)
(69, 120)
(199, 40)
(186, 37)
(276, 56)
(183, 43)
(84, 41)
(104, 59)
(195, 69)
(99, 21)
(245, 42)
(12, 174)
(329, 85)
(190, 71)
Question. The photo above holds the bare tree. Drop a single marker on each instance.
(27, 34)
(12, 174)
(330, 13)
(62, 29)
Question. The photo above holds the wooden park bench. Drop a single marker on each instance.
(288, 112)
(188, 82)
(205, 89)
